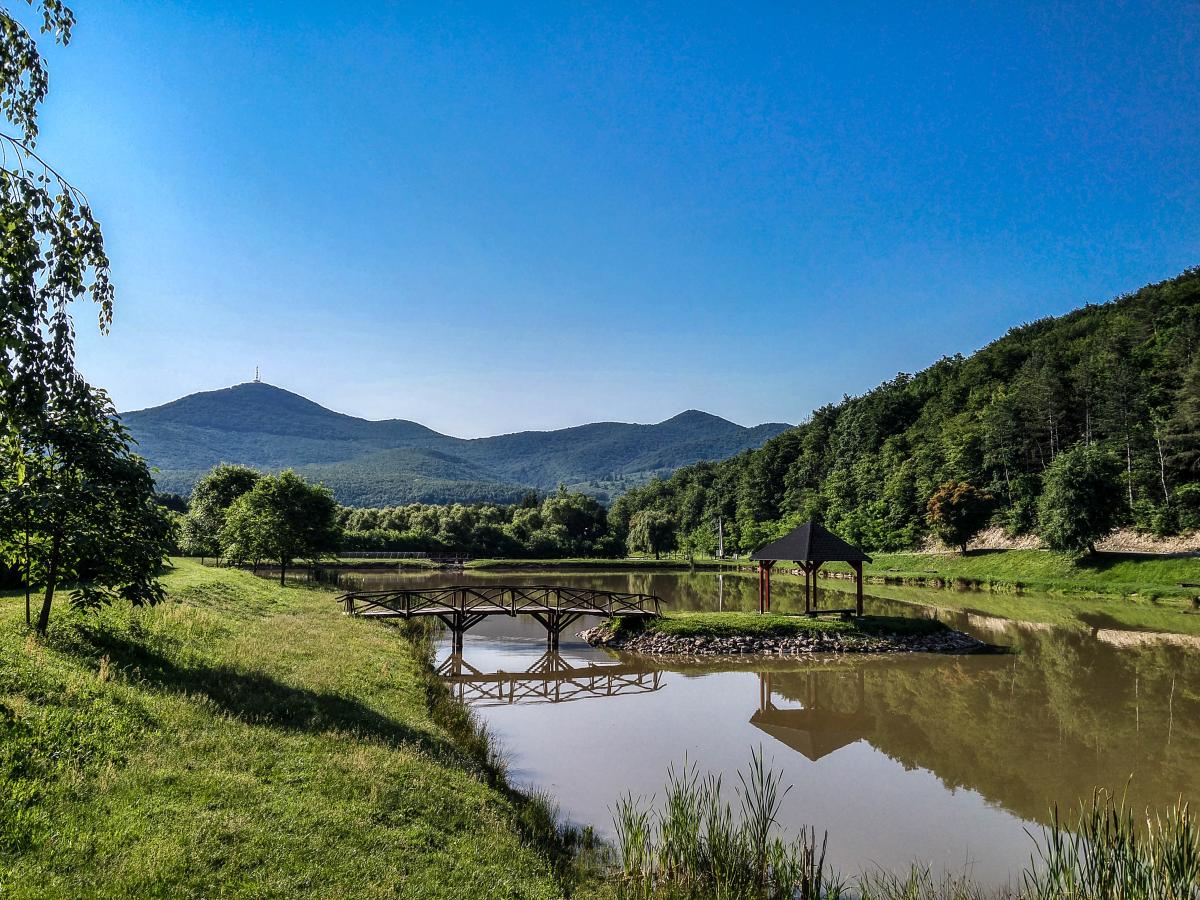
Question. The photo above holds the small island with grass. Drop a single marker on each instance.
(731, 633)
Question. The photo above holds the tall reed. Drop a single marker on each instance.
(696, 847)
(1105, 855)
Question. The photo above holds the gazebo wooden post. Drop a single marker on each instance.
(858, 588)
(764, 585)
(807, 602)
(761, 569)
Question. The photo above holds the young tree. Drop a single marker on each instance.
(957, 511)
(88, 504)
(283, 518)
(651, 531)
(1081, 499)
(211, 498)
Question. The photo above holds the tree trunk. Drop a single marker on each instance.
(1162, 467)
(51, 582)
(1129, 468)
(282, 572)
(28, 609)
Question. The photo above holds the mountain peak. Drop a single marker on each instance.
(695, 417)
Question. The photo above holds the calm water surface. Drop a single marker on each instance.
(940, 760)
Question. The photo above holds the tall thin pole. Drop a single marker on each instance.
(28, 574)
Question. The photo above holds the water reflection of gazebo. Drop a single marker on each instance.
(814, 730)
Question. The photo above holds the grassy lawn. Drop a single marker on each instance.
(1120, 574)
(244, 739)
(742, 624)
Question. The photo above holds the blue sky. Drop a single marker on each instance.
(496, 217)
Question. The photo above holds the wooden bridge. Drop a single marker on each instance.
(551, 679)
(463, 606)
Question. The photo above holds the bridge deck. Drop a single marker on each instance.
(459, 607)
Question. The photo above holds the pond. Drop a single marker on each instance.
(941, 760)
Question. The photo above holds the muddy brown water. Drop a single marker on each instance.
(941, 760)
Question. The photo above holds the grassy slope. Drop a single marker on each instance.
(738, 624)
(1104, 573)
(242, 740)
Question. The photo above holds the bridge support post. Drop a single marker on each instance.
(555, 622)
(456, 631)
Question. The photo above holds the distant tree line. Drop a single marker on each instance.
(242, 515)
(561, 524)
(1065, 428)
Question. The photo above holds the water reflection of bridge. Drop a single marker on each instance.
(551, 679)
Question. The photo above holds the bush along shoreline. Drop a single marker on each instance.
(734, 634)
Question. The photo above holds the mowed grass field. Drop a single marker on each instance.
(244, 740)
(1111, 574)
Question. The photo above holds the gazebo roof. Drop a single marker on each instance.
(810, 543)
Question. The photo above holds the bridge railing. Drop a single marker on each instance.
(495, 599)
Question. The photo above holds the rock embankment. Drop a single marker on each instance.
(652, 642)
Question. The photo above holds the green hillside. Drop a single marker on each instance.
(1123, 377)
(369, 463)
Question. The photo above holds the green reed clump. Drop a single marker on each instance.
(1106, 855)
(920, 883)
(696, 847)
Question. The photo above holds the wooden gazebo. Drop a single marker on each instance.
(810, 546)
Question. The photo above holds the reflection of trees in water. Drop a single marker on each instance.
(1048, 724)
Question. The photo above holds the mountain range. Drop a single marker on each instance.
(380, 463)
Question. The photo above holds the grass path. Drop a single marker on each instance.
(244, 740)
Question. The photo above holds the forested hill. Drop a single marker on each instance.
(1123, 377)
(384, 463)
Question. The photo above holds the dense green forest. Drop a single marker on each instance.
(1121, 379)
